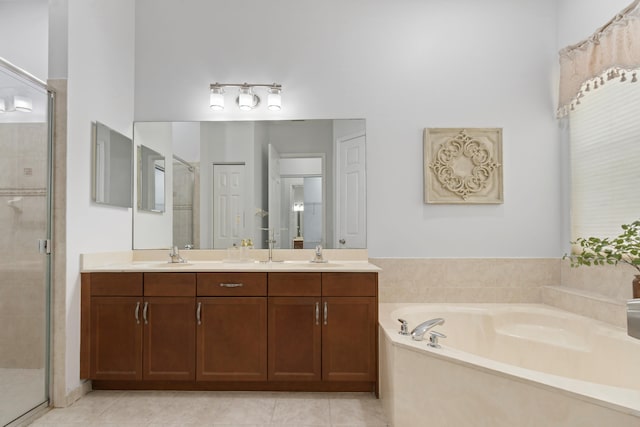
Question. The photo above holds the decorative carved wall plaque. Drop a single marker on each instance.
(463, 165)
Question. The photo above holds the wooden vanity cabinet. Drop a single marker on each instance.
(308, 331)
(141, 327)
(295, 327)
(232, 327)
(111, 331)
(169, 326)
(322, 326)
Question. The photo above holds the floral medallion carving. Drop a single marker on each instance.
(463, 165)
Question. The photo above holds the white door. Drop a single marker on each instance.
(228, 205)
(275, 196)
(351, 227)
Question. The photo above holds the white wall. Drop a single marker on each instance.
(402, 67)
(24, 27)
(100, 87)
(578, 19)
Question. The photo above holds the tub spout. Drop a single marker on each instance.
(418, 332)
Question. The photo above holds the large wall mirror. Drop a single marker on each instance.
(304, 180)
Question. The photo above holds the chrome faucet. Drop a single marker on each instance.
(174, 254)
(418, 332)
(318, 255)
(404, 327)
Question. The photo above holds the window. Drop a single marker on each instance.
(605, 160)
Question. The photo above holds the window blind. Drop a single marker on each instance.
(605, 160)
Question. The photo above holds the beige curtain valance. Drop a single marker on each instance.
(613, 51)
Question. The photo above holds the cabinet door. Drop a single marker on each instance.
(294, 339)
(232, 339)
(116, 338)
(169, 338)
(349, 339)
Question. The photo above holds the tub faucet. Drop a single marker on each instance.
(404, 327)
(433, 339)
(174, 254)
(418, 332)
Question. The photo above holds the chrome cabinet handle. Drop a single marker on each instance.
(198, 313)
(137, 312)
(326, 312)
(317, 313)
(231, 285)
(145, 309)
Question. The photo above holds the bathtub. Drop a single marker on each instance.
(507, 365)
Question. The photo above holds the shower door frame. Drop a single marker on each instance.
(45, 245)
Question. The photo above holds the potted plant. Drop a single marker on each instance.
(624, 248)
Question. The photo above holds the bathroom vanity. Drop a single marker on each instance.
(218, 326)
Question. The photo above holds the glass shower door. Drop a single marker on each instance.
(24, 219)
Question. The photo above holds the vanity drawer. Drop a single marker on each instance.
(350, 284)
(232, 284)
(170, 284)
(115, 284)
(295, 284)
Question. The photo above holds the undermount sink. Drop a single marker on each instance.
(165, 264)
(312, 264)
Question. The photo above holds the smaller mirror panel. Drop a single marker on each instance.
(112, 167)
(151, 180)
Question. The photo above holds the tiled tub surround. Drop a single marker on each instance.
(508, 365)
(597, 292)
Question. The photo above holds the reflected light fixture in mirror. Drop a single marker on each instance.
(246, 100)
(22, 103)
(16, 103)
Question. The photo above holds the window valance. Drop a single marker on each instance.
(613, 51)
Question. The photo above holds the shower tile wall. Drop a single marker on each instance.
(22, 203)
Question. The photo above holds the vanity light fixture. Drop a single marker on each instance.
(274, 100)
(246, 100)
(216, 99)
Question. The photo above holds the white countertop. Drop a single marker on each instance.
(221, 266)
(342, 260)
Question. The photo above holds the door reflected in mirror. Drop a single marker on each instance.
(151, 180)
(229, 181)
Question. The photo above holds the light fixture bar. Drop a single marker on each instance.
(246, 100)
(223, 85)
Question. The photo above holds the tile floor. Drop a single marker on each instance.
(219, 409)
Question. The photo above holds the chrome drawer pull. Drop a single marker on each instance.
(231, 285)
(198, 313)
(317, 313)
(138, 312)
(145, 309)
(326, 312)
